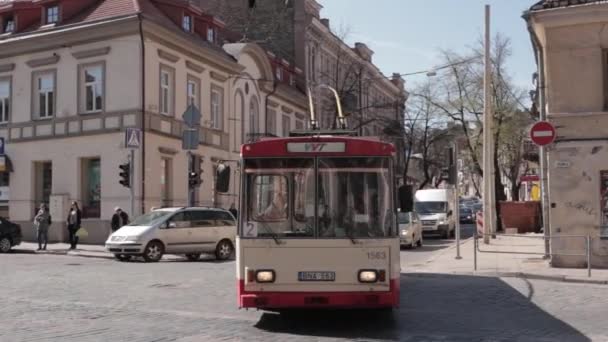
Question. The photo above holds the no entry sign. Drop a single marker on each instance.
(542, 133)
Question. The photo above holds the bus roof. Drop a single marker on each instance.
(318, 145)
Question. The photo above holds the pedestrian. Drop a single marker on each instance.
(42, 222)
(119, 219)
(74, 222)
(233, 211)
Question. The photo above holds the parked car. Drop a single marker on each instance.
(410, 230)
(477, 207)
(189, 231)
(466, 215)
(10, 235)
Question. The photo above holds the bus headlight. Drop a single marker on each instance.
(264, 276)
(368, 276)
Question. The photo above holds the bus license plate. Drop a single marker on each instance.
(316, 276)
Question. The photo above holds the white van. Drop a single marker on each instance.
(435, 207)
(188, 231)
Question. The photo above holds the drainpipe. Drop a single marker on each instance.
(540, 61)
(143, 115)
(274, 90)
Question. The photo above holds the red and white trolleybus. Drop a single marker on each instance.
(317, 225)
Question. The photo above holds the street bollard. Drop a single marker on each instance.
(588, 256)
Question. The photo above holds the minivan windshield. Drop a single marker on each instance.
(404, 218)
(431, 207)
(149, 218)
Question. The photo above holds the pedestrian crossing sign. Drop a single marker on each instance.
(133, 138)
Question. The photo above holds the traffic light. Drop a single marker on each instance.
(125, 174)
(196, 172)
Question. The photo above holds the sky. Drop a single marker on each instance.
(407, 35)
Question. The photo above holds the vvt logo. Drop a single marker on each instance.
(314, 147)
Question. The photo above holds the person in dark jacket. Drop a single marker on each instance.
(74, 221)
(42, 221)
(119, 219)
(233, 211)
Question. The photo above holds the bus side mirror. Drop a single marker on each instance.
(406, 201)
(222, 178)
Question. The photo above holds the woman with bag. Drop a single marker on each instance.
(74, 221)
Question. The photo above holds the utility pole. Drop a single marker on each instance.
(132, 177)
(488, 146)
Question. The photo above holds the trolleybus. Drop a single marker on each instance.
(317, 222)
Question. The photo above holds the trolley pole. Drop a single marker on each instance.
(457, 206)
(190, 187)
(488, 118)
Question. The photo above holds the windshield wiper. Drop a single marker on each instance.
(270, 232)
(350, 235)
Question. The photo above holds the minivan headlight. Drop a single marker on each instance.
(404, 232)
(131, 238)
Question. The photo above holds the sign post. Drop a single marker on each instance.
(190, 141)
(542, 134)
(132, 142)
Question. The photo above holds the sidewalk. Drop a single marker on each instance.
(527, 262)
(91, 251)
(86, 251)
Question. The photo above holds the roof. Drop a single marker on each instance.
(100, 10)
(551, 4)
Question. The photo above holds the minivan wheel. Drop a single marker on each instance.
(193, 256)
(223, 251)
(153, 252)
(122, 257)
(5, 245)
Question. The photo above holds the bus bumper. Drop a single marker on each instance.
(285, 300)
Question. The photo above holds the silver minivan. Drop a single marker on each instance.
(190, 231)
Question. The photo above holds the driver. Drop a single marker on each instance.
(278, 207)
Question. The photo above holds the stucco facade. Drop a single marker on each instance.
(573, 41)
(148, 71)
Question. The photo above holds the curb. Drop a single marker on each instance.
(523, 275)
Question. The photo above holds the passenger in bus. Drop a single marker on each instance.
(277, 209)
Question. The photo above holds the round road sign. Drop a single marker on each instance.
(542, 133)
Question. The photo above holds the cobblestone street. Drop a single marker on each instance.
(64, 298)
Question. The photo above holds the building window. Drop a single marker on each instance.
(279, 73)
(44, 95)
(5, 100)
(192, 92)
(253, 116)
(211, 34)
(91, 187)
(9, 24)
(271, 122)
(52, 14)
(92, 88)
(286, 125)
(292, 80)
(299, 124)
(167, 92)
(217, 115)
(187, 23)
(165, 182)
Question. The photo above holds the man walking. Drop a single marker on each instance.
(42, 222)
(119, 219)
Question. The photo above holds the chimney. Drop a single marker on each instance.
(325, 22)
(363, 51)
(398, 80)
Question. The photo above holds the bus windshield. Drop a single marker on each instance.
(343, 198)
(354, 198)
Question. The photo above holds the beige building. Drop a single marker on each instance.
(570, 41)
(76, 74)
(297, 33)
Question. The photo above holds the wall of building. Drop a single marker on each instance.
(573, 41)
